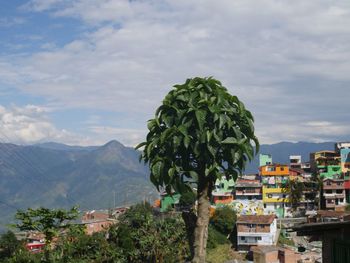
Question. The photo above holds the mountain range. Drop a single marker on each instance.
(94, 177)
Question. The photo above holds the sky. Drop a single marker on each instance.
(83, 72)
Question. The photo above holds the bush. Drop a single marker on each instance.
(215, 238)
(224, 220)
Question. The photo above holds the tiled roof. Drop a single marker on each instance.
(326, 213)
(256, 219)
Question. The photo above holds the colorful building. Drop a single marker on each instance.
(168, 202)
(275, 178)
(248, 207)
(265, 159)
(224, 192)
(325, 163)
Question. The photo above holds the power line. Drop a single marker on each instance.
(21, 157)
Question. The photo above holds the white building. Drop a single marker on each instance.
(255, 230)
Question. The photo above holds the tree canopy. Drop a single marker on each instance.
(199, 130)
(198, 134)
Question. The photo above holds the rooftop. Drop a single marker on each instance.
(256, 219)
(326, 213)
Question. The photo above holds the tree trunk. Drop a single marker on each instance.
(201, 230)
(190, 219)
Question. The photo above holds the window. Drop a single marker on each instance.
(282, 168)
(242, 238)
(329, 183)
(264, 205)
(269, 195)
(258, 238)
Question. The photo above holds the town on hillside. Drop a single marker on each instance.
(289, 213)
(301, 203)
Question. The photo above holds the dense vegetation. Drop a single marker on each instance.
(141, 235)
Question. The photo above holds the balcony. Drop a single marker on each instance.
(277, 190)
(333, 187)
(329, 196)
(275, 200)
(247, 193)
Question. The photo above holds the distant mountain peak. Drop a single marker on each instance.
(113, 143)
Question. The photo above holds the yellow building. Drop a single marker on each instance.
(275, 178)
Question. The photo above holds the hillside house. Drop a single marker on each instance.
(223, 192)
(255, 230)
(248, 189)
(97, 221)
(329, 216)
(295, 161)
(334, 194)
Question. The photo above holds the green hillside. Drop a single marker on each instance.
(92, 177)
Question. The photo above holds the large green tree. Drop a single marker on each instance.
(199, 134)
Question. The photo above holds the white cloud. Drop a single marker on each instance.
(30, 124)
(284, 59)
(11, 21)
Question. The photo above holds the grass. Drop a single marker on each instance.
(221, 254)
(285, 241)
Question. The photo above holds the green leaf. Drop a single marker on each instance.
(209, 134)
(151, 124)
(230, 140)
(183, 130)
(171, 172)
(140, 145)
(157, 168)
(187, 141)
(200, 115)
(222, 121)
(193, 175)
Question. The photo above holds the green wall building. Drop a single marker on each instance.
(265, 159)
